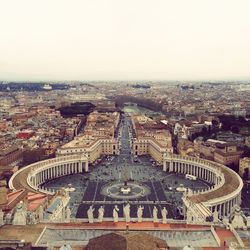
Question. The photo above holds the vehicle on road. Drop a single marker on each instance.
(190, 177)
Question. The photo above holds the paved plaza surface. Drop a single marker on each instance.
(110, 171)
(162, 190)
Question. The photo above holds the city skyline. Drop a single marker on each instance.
(132, 40)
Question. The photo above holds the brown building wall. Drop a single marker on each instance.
(11, 157)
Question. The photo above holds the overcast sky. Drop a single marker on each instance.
(124, 39)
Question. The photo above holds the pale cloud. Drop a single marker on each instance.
(117, 39)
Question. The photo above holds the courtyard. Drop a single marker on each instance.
(153, 186)
(88, 188)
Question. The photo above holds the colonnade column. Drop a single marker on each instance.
(164, 166)
(171, 166)
(231, 204)
(38, 179)
(239, 199)
(66, 169)
(219, 209)
(34, 180)
(86, 166)
(57, 171)
(80, 167)
(228, 207)
(70, 168)
(192, 170)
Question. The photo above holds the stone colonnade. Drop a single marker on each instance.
(44, 174)
(212, 173)
(39, 172)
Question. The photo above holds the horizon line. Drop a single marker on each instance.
(124, 80)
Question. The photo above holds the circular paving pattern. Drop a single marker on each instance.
(113, 190)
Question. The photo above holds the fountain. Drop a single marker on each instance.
(69, 188)
(125, 189)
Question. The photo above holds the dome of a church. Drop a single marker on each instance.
(126, 241)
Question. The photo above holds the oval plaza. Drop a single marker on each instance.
(221, 194)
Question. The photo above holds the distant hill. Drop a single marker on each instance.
(30, 86)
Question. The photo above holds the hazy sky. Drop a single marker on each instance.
(124, 39)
